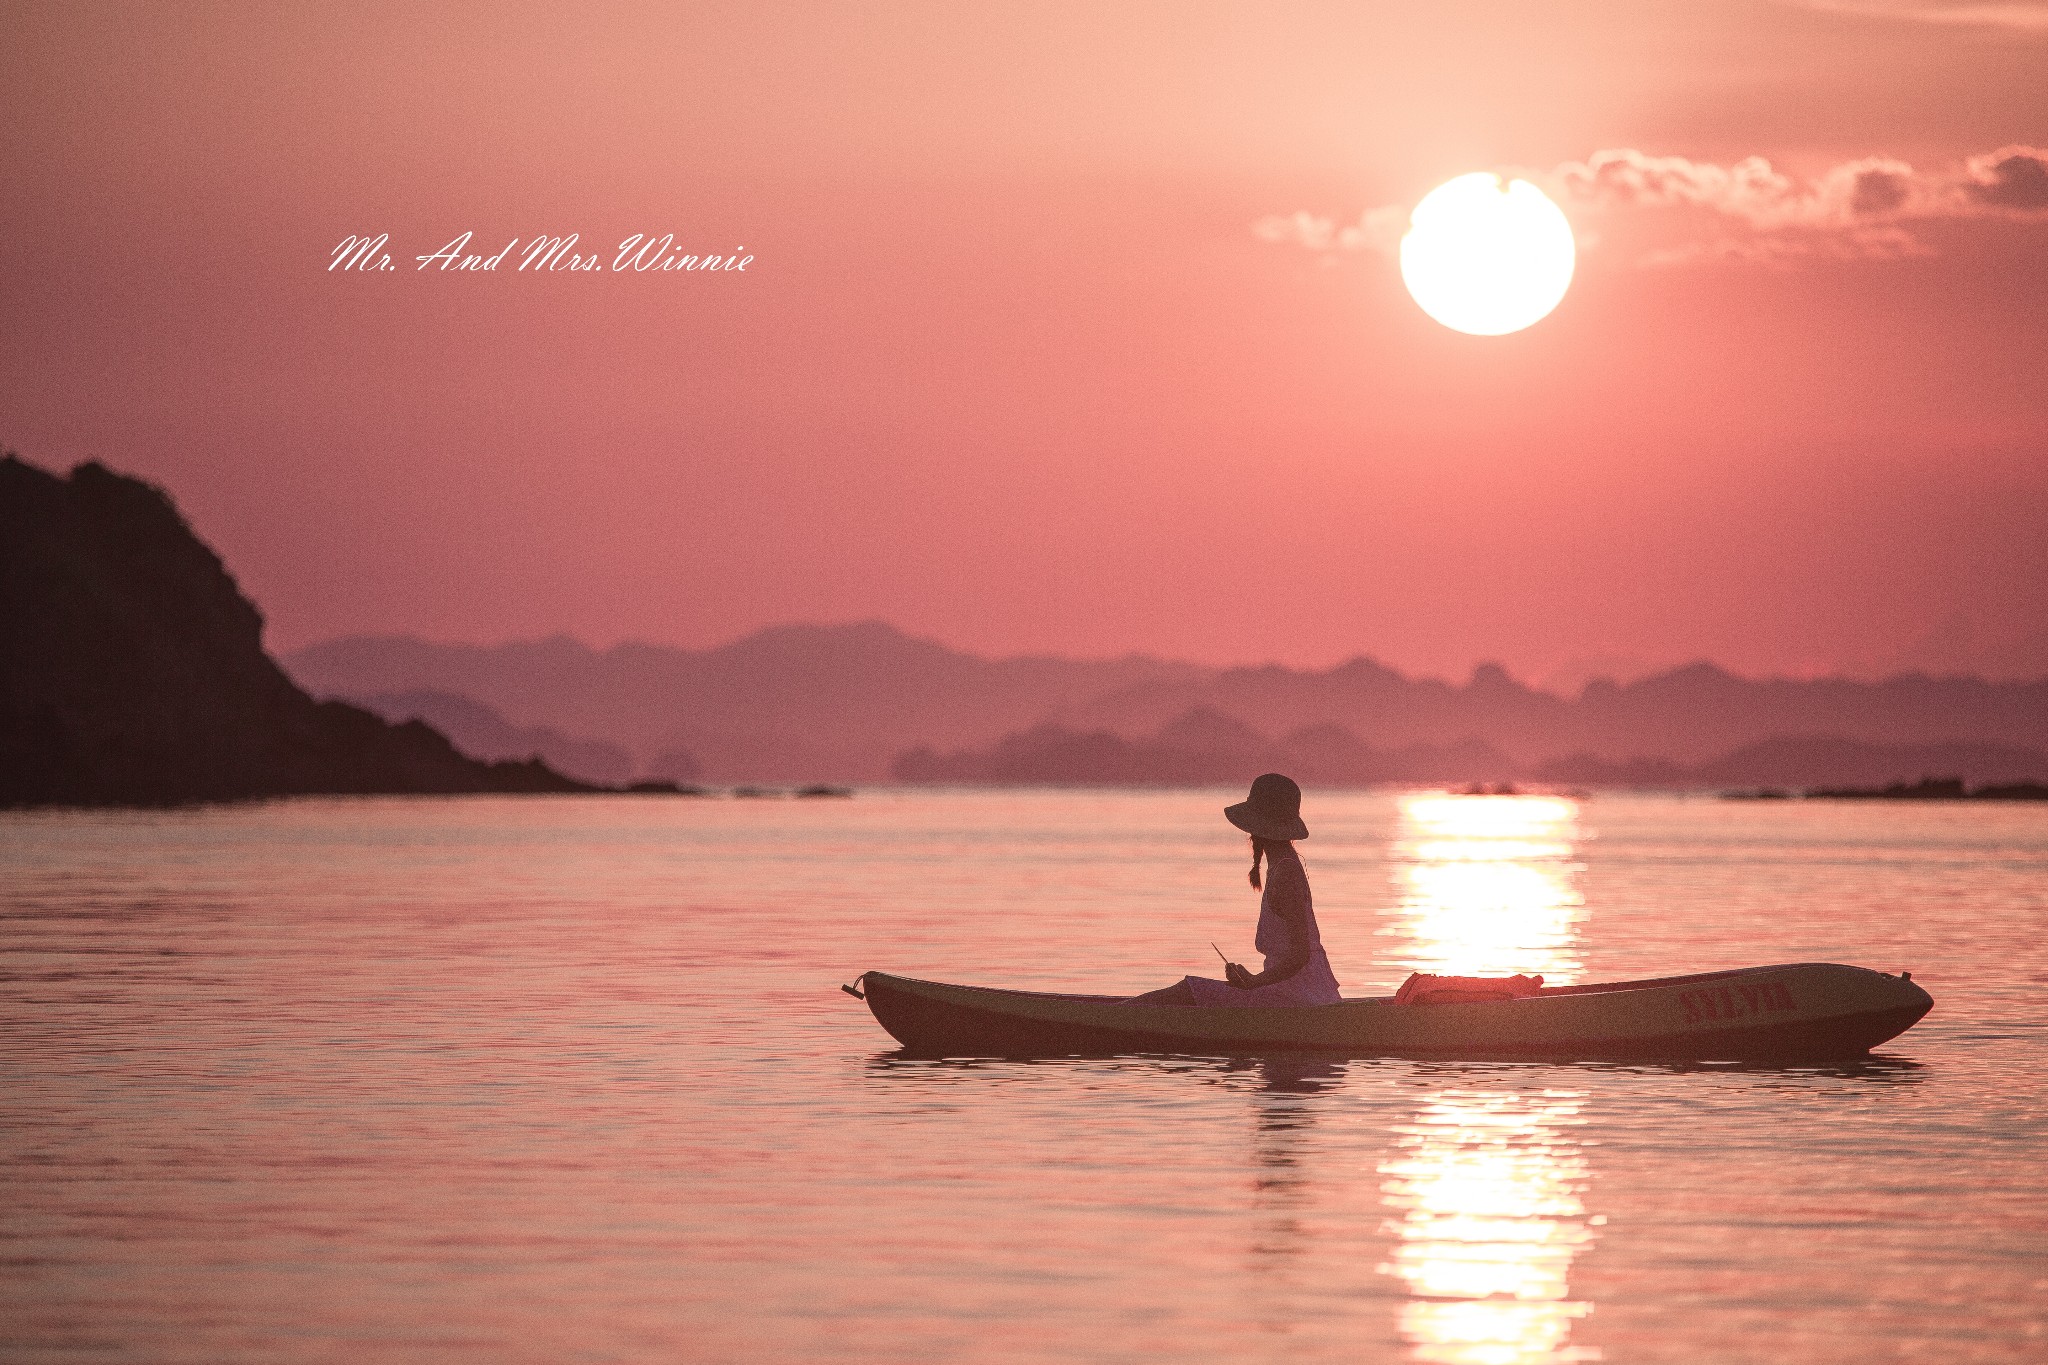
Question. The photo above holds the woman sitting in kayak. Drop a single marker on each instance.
(1296, 971)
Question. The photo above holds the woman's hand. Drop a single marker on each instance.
(1238, 976)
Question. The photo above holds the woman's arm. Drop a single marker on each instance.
(1296, 959)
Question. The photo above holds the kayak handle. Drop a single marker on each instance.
(854, 991)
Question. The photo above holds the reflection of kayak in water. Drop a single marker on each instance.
(1808, 1009)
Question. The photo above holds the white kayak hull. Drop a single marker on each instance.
(1790, 1012)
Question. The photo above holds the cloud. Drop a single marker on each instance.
(1376, 230)
(1874, 189)
(1865, 209)
(2019, 16)
(2010, 178)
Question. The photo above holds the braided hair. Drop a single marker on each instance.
(1261, 848)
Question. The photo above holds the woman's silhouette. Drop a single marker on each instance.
(1296, 970)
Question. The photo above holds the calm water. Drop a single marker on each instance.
(571, 1080)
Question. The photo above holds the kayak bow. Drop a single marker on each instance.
(1795, 1011)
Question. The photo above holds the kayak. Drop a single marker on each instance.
(1788, 1012)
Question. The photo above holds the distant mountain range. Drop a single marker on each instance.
(480, 732)
(132, 670)
(1206, 747)
(789, 704)
(866, 702)
(1806, 761)
(1202, 747)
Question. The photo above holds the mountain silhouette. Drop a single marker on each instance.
(805, 703)
(1811, 761)
(787, 704)
(1204, 747)
(482, 733)
(132, 669)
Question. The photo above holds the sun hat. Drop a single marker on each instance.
(1272, 811)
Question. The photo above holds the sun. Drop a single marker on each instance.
(1487, 258)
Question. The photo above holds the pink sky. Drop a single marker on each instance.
(1033, 355)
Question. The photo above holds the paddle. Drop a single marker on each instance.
(1227, 963)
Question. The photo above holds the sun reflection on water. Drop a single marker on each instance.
(1485, 887)
(1487, 1179)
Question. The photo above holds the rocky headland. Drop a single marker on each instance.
(132, 670)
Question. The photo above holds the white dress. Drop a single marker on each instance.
(1315, 983)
